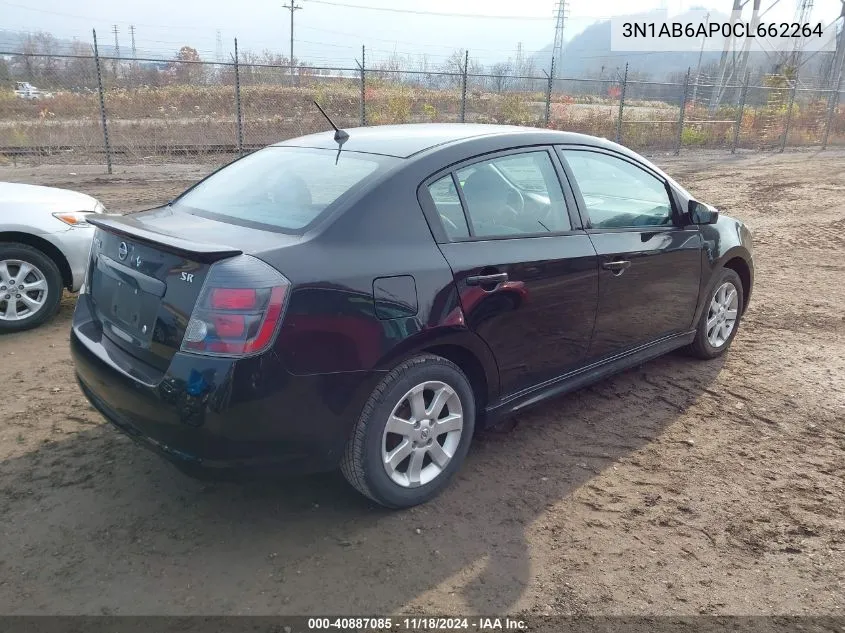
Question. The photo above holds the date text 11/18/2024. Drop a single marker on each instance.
(481, 624)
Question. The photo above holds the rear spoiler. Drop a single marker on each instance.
(194, 250)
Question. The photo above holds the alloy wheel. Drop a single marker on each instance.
(23, 290)
(422, 434)
(722, 314)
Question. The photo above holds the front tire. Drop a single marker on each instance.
(30, 287)
(720, 318)
(413, 433)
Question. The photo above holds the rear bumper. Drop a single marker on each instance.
(217, 414)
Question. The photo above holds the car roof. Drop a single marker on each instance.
(404, 141)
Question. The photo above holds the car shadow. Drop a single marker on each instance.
(95, 524)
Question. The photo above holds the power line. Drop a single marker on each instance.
(436, 13)
(76, 16)
(395, 41)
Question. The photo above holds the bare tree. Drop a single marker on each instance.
(424, 66)
(48, 47)
(80, 71)
(29, 48)
(5, 73)
(390, 69)
(477, 78)
(529, 69)
(501, 72)
(454, 65)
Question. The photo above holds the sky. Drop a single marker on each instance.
(328, 34)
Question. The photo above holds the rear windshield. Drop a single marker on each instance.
(283, 187)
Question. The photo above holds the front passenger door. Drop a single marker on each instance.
(649, 265)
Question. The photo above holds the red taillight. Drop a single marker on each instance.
(271, 320)
(239, 309)
(233, 298)
(229, 325)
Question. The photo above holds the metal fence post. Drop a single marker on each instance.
(621, 105)
(464, 88)
(238, 113)
(363, 87)
(742, 96)
(788, 115)
(551, 77)
(101, 92)
(831, 109)
(681, 115)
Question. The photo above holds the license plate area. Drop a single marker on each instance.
(126, 300)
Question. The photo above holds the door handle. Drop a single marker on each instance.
(617, 267)
(487, 280)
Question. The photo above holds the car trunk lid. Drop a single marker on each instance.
(145, 277)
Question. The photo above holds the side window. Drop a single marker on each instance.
(617, 193)
(448, 205)
(514, 195)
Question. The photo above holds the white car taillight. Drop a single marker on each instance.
(239, 309)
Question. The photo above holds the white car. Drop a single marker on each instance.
(45, 241)
(24, 90)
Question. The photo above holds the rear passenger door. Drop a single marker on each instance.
(525, 270)
(649, 261)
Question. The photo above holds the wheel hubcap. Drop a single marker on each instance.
(422, 434)
(23, 290)
(722, 314)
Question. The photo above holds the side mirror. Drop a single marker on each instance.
(701, 213)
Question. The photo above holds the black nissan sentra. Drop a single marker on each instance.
(369, 304)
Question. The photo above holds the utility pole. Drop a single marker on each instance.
(560, 22)
(133, 66)
(802, 16)
(518, 65)
(726, 67)
(116, 51)
(838, 70)
(700, 54)
(839, 57)
(292, 7)
(115, 30)
(735, 66)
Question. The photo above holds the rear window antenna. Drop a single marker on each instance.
(340, 136)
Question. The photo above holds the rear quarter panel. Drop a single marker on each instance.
(331, 324)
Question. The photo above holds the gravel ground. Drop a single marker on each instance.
(679, 487)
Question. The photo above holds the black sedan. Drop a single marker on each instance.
(369, 304)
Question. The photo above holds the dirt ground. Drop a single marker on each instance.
(679, 487)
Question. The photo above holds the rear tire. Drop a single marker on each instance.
(39, 298)
(720, 317)
(413, 434)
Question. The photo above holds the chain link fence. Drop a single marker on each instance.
(90, 108)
